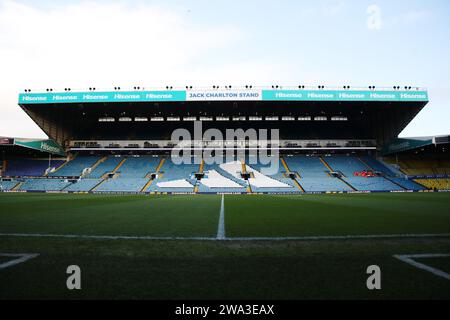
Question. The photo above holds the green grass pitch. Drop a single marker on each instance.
(208, 269)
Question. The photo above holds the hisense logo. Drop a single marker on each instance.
(413, 96)
(29, 98)
(47, 147)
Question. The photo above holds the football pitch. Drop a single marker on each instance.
(231, 247)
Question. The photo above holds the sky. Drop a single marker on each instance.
(102, 44)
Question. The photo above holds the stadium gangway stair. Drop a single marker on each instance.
(288, 171)
(106, 178)
(98, 184)
(394, 182)
(99, 161)
(244, 171)
(17, 186)
(150, 181)
(200, 170)
(61, 166)
(119, 165)
(325, 164)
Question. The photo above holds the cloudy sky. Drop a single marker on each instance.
(78, 44)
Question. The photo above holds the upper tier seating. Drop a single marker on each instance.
(307, 166)
(104, 167)
(138, 167)
(44, 185)
(378, 166)
(75, 167)
(347, 165)
(419, 167)
(30, 167)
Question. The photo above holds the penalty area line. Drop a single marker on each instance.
(409, 259)
(20, 258)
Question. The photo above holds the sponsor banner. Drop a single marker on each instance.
(224, 95)
(429, 176)
(89, 97)
(346, 95)
(48, 146)
(404, 144)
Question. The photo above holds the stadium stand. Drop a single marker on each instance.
(378, 166)
(372, 184)
(435, 184)
(30, 167)
(44, 184)
(213, 182)
(307, 166)
(346, 165)
(122, 185)
(83, 185)
(8, 185)
(269, 181)
(407, 184)
(138, 167)
(294, 173)
(176, 178)
(424, 166)
(313, 175)
(106, 166)
(75, 167)
(131, 174)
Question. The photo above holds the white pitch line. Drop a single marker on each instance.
(409, 259)
(221, 226)
(305, 238)
(21, 257)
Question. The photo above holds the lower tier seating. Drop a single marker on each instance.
(372, 184)
(439, 184)
(83, 185)
(44, 184)
(323, 184)
(123, 185)
(7, 185)
(408, 184)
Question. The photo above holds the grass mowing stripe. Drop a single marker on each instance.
(306, 238)
(161, 216)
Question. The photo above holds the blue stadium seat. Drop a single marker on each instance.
(30, 167)
(105, 167)
(83, 185)
(7, 185)
(44, 184)
(75, 167)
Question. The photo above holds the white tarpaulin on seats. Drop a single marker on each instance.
(182, 183)
(213, 179)
(260, 181)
